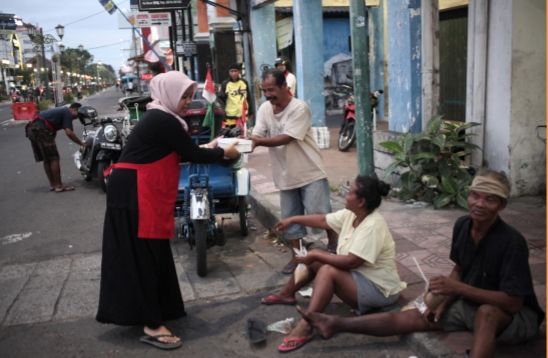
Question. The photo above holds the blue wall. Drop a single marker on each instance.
(336, 37)
(308, 53)
(404, 65)
(264, 36)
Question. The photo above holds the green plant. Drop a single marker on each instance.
(431, 164)
(68, 98)
(44, 104)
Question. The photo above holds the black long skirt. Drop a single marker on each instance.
(139, 284)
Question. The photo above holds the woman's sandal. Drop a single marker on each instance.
(289, 344)
(158, 343)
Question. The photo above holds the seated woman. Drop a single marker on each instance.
(363, 272)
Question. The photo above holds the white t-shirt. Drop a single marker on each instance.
(291, 81)
(299, 162)
(370, 240)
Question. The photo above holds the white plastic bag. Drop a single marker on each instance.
(283, 326)
(301, 271)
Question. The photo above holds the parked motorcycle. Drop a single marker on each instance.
(103, 145)
(347, 134)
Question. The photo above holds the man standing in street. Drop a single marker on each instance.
(284, 126)
(234, 92)
(489, 291)
(42, 131)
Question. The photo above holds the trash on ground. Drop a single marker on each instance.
(305, 292)
(255, 331)
(283, 326)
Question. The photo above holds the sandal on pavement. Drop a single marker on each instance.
(156, 342)
(290, 344)
(64, 188)
(289, 268)
(278, 300)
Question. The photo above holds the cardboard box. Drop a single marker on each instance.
(243, 146)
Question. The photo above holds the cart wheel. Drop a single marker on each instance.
(200, 240)
(101, 166)
(242, 206)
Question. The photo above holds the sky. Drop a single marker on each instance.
(86, 22)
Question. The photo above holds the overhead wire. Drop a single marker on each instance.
(87, 17)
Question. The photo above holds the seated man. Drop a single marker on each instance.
(489, 291)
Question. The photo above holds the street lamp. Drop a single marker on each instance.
(40, 40)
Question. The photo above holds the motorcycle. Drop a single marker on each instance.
(134, 107)
(103, 145)
(347, 133)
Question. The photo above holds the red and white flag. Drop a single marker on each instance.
(209, 88)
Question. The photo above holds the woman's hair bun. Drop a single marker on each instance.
(383, 188)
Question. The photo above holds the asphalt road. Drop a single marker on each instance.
(38, 224)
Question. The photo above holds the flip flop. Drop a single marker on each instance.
(64, 188)
(156, 342)
(278, 300)
(290, 344)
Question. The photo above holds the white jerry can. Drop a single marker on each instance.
(242, 182)
(199, 204)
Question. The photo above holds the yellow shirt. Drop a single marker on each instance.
(236, 93)
(370, 240)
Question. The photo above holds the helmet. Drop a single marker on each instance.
(281, 61)
(87, 114)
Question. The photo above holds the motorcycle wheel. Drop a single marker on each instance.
(347, 135)
(200, 240)
(101, 166)
(242, 206)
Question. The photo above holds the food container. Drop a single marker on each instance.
(243, 146)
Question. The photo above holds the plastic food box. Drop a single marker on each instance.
(243, 146)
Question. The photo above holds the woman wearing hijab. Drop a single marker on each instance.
(139, 284)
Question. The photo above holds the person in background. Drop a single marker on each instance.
(233, 93)
(139, 284)
(41, 132)
(489, 291)
(284, 126)
(282, 64)
(363, 272)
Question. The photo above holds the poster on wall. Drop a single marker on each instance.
(284, 32)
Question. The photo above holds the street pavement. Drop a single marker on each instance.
(48, 302)
(422, 233)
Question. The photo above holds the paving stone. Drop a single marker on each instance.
(80, 296)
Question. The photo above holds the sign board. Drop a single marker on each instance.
(7, 24)
(144, 19)
(187, 48)
(148, 19)
(163, 5)
(190, 48)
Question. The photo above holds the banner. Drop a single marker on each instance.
(108, 5)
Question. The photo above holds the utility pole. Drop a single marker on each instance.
(360, 64)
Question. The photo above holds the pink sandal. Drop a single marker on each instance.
(278, 300)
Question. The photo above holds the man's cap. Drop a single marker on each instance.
(281, 61)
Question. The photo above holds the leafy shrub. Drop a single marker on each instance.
(68, 98)
(44, 104)
(431, 164)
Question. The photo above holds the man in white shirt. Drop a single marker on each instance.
(282, 64)
(284, 126)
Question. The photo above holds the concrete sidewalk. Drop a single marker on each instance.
(420, 232)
